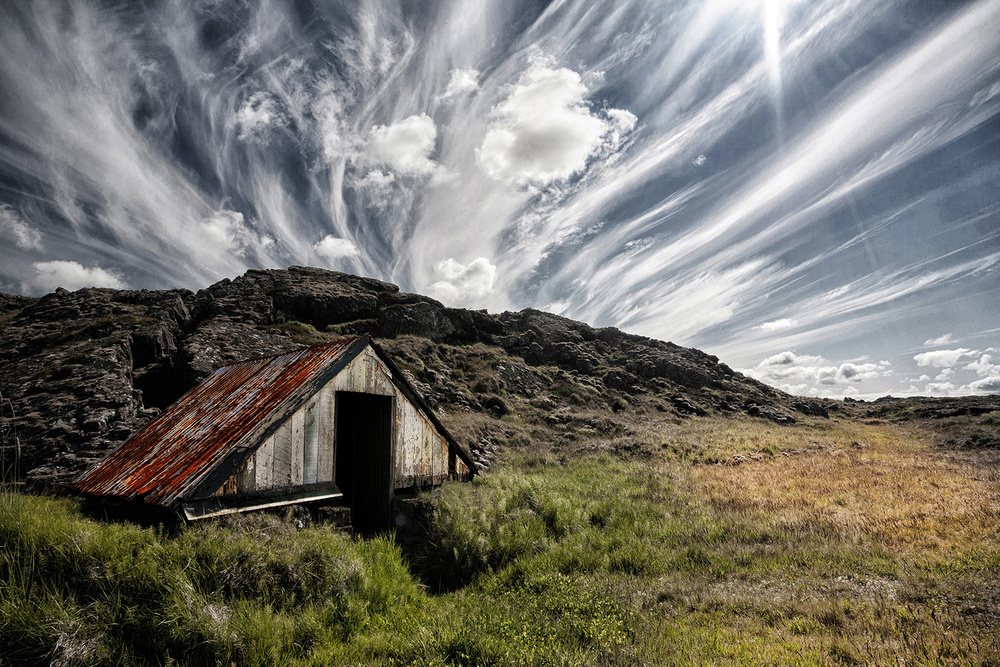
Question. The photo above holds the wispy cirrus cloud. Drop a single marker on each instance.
(15, 229)
(642, 164)
(732, 231)
(944, 339)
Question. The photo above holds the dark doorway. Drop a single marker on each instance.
(364, 458)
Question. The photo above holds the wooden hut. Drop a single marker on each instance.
(333, 424)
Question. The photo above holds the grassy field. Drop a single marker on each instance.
(671, 541)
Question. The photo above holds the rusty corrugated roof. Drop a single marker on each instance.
(229, 412)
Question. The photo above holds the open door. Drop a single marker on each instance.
(364, 463)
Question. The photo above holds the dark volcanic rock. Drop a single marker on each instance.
(811, 408)
(68, 371)
(980, 438)
(329, 304)
(12, 302)
(515, 377)
(83, 370)
(546, 339)
(220, 342)
(770, 412)
(77, 398)
(426, 318)
(620, 380)
(923, 407)
(685, 405)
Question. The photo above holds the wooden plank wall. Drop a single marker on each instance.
(421, 453)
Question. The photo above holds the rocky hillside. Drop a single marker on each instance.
(80, 371)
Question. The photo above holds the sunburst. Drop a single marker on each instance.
(768, 16)
(773, 15)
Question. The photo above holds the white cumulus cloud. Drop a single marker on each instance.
(544, 131)
(942, 358)
(860, 372)
(622, 120)
(13, 227)
(73, 276)
(334, 249)
(462, 81)
(791, 371)
(787, 367)
(406, 145)
(984, 367)
(990, 385)
(458, 283)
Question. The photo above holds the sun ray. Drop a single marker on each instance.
(773, 18)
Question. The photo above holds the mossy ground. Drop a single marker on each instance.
(835, 543)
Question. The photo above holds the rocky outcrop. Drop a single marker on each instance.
(770, 412)
(220, 342)
(68, 369)
(83, 370)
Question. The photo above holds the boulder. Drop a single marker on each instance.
(220, 342)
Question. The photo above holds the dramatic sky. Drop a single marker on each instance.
(809, 189)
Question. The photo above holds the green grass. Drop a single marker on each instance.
(819, 552)
(256, 593)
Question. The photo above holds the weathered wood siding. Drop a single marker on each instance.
(303, 449)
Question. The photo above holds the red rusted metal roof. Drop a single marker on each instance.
(229, 413)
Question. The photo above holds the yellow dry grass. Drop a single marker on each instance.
(719, 438)
(887, 553)
(862, 482)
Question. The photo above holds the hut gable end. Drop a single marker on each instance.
(335, 421)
